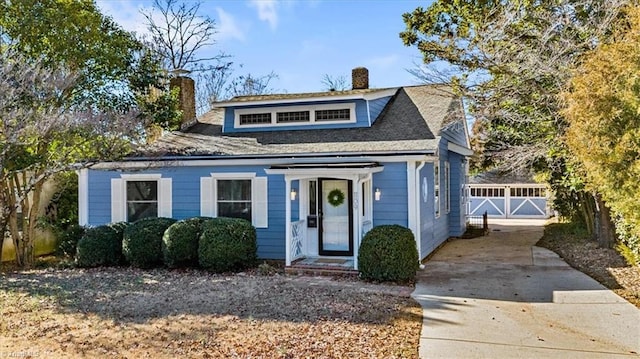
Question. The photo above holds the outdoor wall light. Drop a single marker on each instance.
(293, 194)
(378, 194)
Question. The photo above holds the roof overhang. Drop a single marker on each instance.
(312, 170)
(459, 149)
(349, 97)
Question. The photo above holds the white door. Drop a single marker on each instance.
(336, 217)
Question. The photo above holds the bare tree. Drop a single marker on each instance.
(179, 33)
(335, 83)
(40, 136)
(246, 85)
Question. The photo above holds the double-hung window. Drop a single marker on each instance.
(142, 200)
(234, 198)
(436, 188)
(237, 195)
(137, 196)
(447, 187)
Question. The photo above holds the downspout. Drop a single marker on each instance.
(418, 214)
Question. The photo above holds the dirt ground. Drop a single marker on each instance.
(123, 312)
(604, 265)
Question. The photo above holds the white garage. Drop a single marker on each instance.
(514, 199)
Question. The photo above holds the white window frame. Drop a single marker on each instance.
(312, 115)
(436, 188)
(259, 195)
(447, 187)
(119, 195)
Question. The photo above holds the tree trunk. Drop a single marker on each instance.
(605, 229)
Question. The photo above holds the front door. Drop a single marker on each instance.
(335, 217)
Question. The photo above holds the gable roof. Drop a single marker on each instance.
(409, 124)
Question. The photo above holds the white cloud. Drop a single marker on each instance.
(267, 11)
(228, 27)
(125, 13)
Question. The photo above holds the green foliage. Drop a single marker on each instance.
(68, 240)
(180, 243)
(629, 245)
(227, 244)
(604, 133)
(99, 246)
(142, 241)
(388, 253)
(511, 59)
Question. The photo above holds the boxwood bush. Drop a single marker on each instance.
(227, 244)
(388, 253)
(68, 240)
(180, 243)
(99, 246)
(142, 241)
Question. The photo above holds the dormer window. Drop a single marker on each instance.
(255, 118)
(343, 114)
(295, 115)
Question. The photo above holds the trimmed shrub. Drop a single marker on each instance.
(227, 244)
(180, 243)
(142, 241)
(68, 240)
(99, 246)
(388, 253)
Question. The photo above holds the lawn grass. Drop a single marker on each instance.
(124, 312)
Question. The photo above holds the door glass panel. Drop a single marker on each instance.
(335, 216)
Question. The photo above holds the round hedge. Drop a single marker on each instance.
(68, 240)
(388, 253)
(142, 241)
(99, 246)
(227, 244)
(180, 243)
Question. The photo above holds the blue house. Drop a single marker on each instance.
(313, 172)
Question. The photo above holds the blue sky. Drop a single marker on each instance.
(301, 41)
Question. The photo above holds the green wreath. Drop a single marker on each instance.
(335, 197)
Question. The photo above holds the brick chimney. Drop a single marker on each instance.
(360, 78)
(187, 99)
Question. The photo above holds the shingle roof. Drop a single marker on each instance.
(410, 122)
(287, 96)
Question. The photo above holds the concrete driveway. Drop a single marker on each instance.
(499, 296)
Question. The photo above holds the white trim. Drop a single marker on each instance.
(369, 114)
(309, 108)
(233, 175)
(341, 173)
(259, 205)
(447, 187)
(418, 233)
(165, 194)
(287, 221)
(231, 161)
(453, 147)
(141, 177)
(312, 98)
(412, 198)
(83, 197)
(437, 207)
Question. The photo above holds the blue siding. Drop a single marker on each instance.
(456, 132)
(458, 176)
(186, 200)
(426, 211)
(362, 118)
(392, 208)
(376, 106)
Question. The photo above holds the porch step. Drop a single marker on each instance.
(300, 269)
